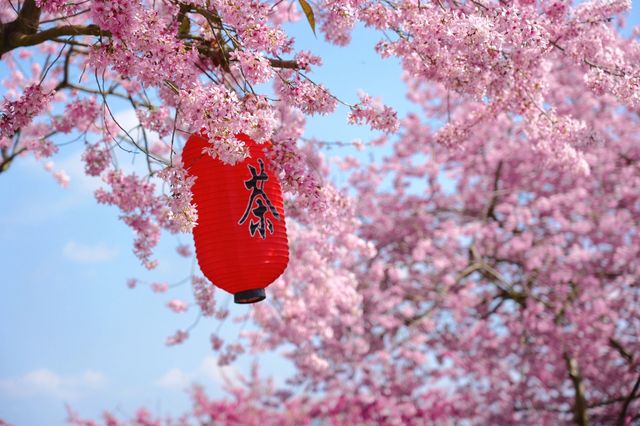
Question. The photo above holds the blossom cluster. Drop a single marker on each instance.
(19, 113)
(254, 67)
(96, 159)
(53, 6)
(306, 95)
(79, 114)
(180, 212)
(203, 292)
(140, 210)
(374, 113)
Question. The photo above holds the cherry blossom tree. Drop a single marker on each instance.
(484, 272)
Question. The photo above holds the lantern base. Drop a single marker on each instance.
(250, 296)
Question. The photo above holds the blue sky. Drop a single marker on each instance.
(71, 332)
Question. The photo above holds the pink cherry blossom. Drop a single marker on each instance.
(203, 292)
(184, 250)
(19, 113)
(179, 337)
(177, 306)
(160, 287)
(255, 68)
(96, 159)
(372, 112)
(62, 178)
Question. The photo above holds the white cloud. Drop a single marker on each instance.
(84, 253)
(174, 379)
(127, 118)
(210, 369)
(94, 378)
(44, 382)
(208, 372)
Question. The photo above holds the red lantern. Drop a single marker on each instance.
(241, 236)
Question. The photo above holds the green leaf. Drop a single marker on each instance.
(308, 11)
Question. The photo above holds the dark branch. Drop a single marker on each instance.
(621, 350)
(580, 405)
(6, 159)
(55, 32)
(627, 402)
(26, 22)
(490, 213)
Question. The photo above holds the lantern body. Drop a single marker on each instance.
(241, 237)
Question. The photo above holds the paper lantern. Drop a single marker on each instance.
(241, 236)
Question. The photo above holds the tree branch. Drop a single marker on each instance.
(589, 63)
(7, 159)
(490, 213)
(627, 402)
(19, 39)
(28, 19)
(222, 59)
(580, 405)
(27, 22)
(621, 349)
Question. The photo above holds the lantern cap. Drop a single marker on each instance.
(250, 296)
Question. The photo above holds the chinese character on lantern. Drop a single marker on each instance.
(259, 198)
